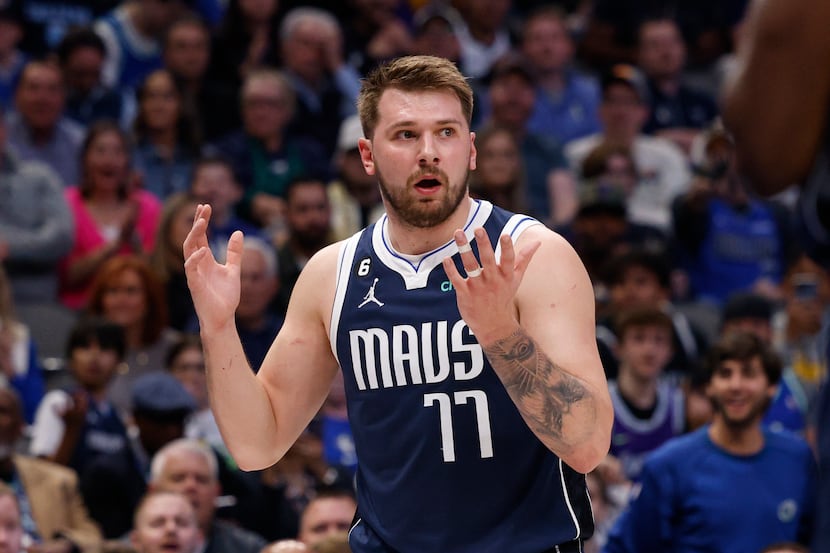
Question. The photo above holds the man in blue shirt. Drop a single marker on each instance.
(729, 486)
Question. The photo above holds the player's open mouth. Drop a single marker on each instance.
(428, 185)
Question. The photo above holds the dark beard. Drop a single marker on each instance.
(412, 212)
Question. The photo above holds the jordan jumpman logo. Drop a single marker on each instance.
(370, 296)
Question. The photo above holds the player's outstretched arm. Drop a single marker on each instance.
(258, 419)
(535, 322)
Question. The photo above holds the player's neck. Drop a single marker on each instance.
(745, 439)
(410, 240)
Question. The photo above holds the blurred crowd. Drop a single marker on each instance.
(601, 118)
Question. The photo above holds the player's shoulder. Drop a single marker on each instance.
(786, 443)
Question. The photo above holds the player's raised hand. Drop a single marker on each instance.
(214, 287)
(486, 296)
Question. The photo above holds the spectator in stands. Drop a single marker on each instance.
(638, 278)
(35, 225)
(434, 27)
(12, 59)
(256, 321)
(187, 54)
(663, 168)
(511, 96)
(729, 240)
(214, 183)
(648, 408)
(303, 475)
(308, 222)
(771, 476)
(37, 129)
(265, 156)
(167, 138)
(611, 33)
(20, 365)
(11, 539)
(74, 426)
(567, 101)
(247, 39)
(186, 362)
(132, 33)
(165, 521)
(327, 516)
(189, 467)
(54, 518)
(677, 111)
(112, 218)
(354, 196)
(311, 46)
(483, 34)
(805, 322)
(128, 293)
(794, 397)
(114, 484)
(375, 31)
(167, 259)
(81, 55)
(499, 176)
(599, 227)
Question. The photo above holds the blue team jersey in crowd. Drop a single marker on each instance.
(697, 498)
(446, 463)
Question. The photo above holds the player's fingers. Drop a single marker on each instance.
(452, 272)
(197, 237)
(468, 258)
(235, 248)
(485, 249)
(193, 260)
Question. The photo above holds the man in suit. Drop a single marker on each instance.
(53, 514)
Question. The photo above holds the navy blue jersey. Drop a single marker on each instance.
(445, 461)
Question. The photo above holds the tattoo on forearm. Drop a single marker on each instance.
(544, 393)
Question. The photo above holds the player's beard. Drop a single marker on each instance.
(424, 214)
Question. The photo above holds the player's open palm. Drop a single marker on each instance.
(486, 296)
(214, 286)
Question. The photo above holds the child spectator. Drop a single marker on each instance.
(648, 410)
(72, 427)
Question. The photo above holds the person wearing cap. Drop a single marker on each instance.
(728, 239)
(113, 484)
(354, 196)
(677, 111)
(664, 173)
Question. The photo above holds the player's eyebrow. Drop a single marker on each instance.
(439, 123)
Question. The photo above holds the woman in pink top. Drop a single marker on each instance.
(111, 217)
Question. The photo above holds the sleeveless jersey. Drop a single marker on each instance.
(632, 438)
(445, 461)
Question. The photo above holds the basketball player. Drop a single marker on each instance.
(465, 335)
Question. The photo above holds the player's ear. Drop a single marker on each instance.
(364, 146)
(473, 151)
